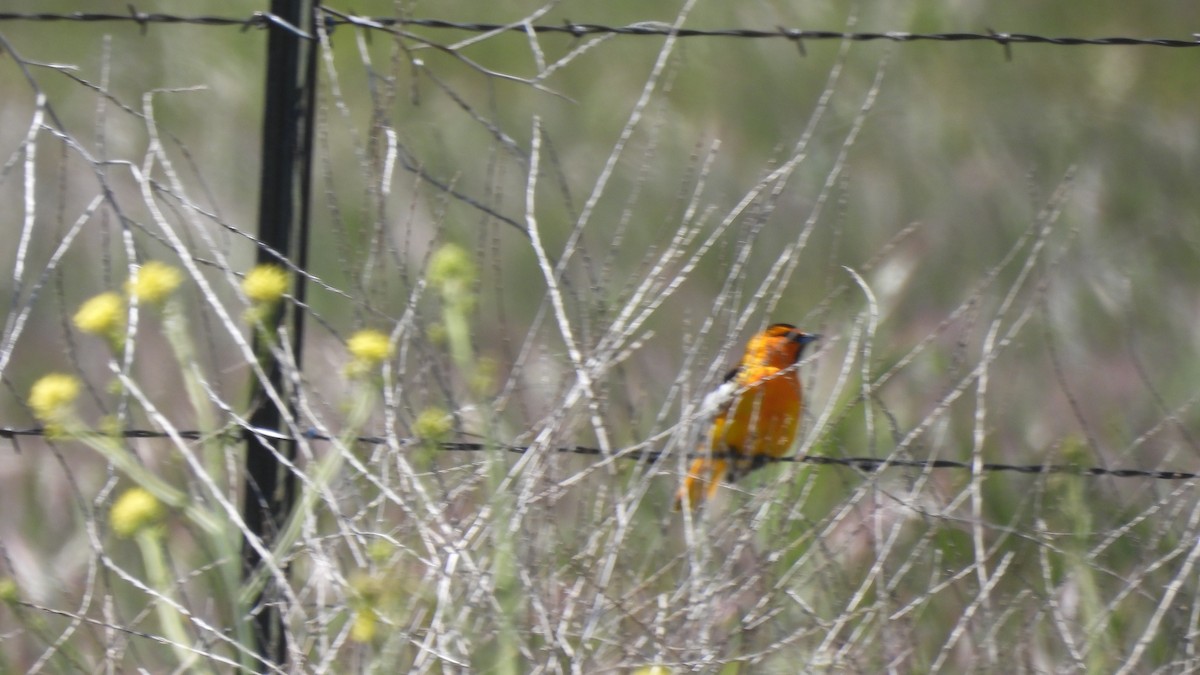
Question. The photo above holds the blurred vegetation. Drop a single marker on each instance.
(1024, 221)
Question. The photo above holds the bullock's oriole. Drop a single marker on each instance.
(756, 412)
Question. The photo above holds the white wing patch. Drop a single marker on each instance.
(718, 399)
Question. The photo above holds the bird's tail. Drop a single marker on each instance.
(701, 482)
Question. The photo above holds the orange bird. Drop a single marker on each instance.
(756, 412)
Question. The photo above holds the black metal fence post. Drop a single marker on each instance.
(283, 226)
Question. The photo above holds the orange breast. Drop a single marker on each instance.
(764, 419)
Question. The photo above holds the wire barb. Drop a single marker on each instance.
(1002, 38)
(138, 17)
(796, 36)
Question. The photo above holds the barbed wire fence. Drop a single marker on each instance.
(638, 454)
(558, 337)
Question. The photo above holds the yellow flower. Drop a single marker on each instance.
(153, 282)
(265, 284)
(451, 270)
(370, 347)
(432, 427)
(135, 510)
(366, 594)
(365, 626)
(102, 315)
(51, 397)
(433, 424)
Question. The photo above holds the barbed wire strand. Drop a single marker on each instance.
(868, 464)
(265, 19)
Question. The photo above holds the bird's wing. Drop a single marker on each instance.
(718, 400)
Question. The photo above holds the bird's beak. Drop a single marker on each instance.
(806, 338)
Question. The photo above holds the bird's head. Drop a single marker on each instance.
(790, 340)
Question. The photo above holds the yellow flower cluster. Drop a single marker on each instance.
(369, 345)
(451, 266)
(368, 348)
(153, 282)
(265, 284)
(102, 315)
(433, 425)
(135, 510)
(367, 593)
(51, 397)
